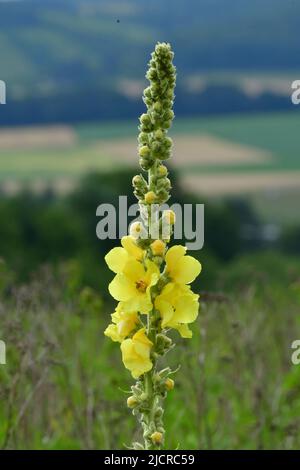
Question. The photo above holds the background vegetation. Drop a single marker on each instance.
(81, 62)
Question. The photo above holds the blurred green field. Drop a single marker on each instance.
(107, 146)
(275, 133)
(236, 389)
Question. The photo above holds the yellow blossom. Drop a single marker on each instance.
(136, 353)
(132, 285)
(123, 323)
(178, 306)
(117, 258)
(180, 268)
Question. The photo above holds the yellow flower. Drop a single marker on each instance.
(180, 268)
(136, 353)
(132, 285)
(123, 323)
(178, 306)
(118, 257)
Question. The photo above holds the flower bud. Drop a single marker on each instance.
(162, 170)
(132, 402)
(135, 229)
(157, 107)
(169, 384)
(143, 137)
(137, 180)
(169, 114)
(159, 134)
(170, 216)
(150, 197)
(145, 119)
(144, 151)
(157, 438)
(168, 142)
(158, 247)
(159, 412)
(143, 396)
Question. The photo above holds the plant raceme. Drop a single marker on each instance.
(152, 281)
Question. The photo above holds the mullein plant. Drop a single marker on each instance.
(151, 282)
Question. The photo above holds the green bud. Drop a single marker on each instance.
(145, 119)
(169, 114)
(157, 107)
(143, 138)
(146, 164)
(159, 134)
(166, 124)
(168, 142)
(144, 151)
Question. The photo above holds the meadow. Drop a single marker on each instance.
(64, 386)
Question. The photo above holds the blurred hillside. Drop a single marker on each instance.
(72, 60)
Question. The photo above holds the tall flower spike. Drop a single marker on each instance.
(154, 144)
(151, 280)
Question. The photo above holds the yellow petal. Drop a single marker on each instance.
(152, 273)
(121, 288)
(184, 331)
(173, 255)
(186, 270)
(139, 302)
(131, 247)
(165, 309)
(112, 333)
(116, 259)
(137, 364)
(127, 323)
(141, 368)
(187, 308)
(142, 337)
(134, 271)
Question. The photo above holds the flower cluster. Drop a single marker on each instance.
(152, 281)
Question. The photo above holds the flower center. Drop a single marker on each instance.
(141, 286)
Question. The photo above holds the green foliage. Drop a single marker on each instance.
(237, 386)
(44, 229)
